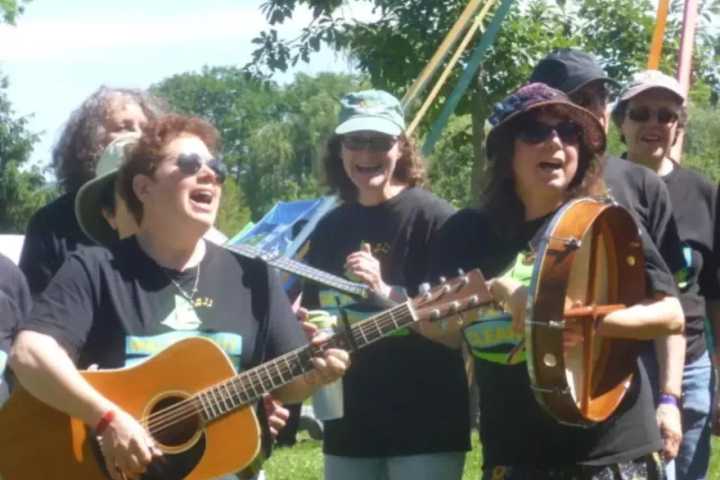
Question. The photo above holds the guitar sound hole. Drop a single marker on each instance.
(173, 425)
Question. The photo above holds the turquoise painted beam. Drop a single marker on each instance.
(474, 63)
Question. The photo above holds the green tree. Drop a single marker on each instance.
(21, 190)
(10, 9)
(395, 47)
(273, 135)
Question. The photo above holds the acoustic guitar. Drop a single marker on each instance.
(192, 402)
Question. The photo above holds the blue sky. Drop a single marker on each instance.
(61, 51)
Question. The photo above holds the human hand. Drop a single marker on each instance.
(127, 447)
(277, 415)
(331, 365)
(366, 267)
(309, 329)
(513, 296)
(670, 424)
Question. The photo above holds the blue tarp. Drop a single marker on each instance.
(286, 226)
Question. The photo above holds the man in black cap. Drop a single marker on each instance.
(645, 195)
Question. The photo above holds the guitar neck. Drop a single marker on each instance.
(248, 387)
(303, 270)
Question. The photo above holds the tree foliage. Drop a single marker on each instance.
(10, 9)
(273, 135)
(394, 47)
(21, 189)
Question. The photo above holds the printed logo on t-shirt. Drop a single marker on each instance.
(683, 276)
(183, 317)
(491, 337)
(139, 348)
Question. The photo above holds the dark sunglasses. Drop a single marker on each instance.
(191, 163)
(643, 114)
(374, 143)
(536, 132)
(586, 97)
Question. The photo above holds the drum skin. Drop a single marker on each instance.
(589, 262)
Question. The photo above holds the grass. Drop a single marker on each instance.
(304, 461)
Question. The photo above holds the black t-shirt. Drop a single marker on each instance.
(52, 234)
(694, 202)
(404, 394)
(14, 306)
(645, 196)
(514, 428)
(116, 307)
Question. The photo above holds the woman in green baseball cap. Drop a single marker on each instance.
(405, 399)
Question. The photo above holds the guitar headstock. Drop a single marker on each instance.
(464, 292)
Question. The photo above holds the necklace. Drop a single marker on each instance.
(189, 296)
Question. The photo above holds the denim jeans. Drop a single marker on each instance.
(698, 386)
(427, 466)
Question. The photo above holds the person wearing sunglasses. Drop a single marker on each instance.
(544, 151)
(405, 401)
(114, 307)
(644, 194)
(650, 113)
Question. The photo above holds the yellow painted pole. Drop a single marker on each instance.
(448, 68)
(442, 51)
(658, 35)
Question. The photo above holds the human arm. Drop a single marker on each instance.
(670, 352)
(46, 370)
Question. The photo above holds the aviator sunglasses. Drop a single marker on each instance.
(191, 163)
(373, 143)
(643, 114)
(534, 132)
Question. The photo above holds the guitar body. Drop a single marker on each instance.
(39, 442)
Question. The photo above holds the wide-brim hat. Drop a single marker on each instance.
(371, 110)
(88, 205)
(569, 70)
(651, 79)
(535, 96)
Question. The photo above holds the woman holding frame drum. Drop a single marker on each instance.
(545, 151)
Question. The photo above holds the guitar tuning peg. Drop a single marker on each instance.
(424, 288)
(442, 280)
(461, 272)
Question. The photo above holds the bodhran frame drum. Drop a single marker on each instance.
(589, 263)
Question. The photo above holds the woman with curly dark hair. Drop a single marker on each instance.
(546, 151)
(53, 232)
(404, 406)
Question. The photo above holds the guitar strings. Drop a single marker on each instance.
(193, 405)
(189, 407)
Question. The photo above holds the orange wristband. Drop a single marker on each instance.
(105, 420)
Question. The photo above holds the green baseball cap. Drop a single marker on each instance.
(373, 110)
(88, 209)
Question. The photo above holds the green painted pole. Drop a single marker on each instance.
(476, 59)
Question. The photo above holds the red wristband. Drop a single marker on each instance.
(105, 420)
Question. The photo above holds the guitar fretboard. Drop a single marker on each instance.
(303, 270)
(248, 387)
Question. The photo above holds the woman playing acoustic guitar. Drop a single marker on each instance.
(116, 307)
(544, 151)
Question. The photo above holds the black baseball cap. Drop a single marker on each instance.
(568, 70)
